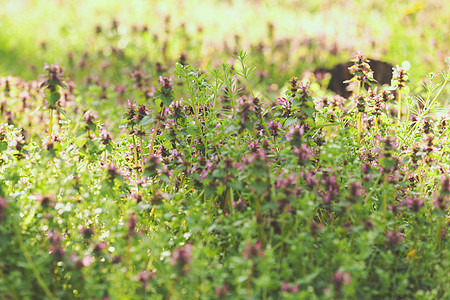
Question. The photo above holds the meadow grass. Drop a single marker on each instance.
(162, 161)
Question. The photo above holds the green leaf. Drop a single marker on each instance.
(309, 111)
(290, 121)
(310, 122)
(167, 100)
(230, 128)
(61, 111)
(147, 120)
(219, 173)
(3, 146)
(165, 178)
(249, 124)
(52, 99)
(236, 185)
(259, 185)
(220, 189)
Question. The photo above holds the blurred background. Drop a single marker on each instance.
(284, 38)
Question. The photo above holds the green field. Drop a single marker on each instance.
(192, 150)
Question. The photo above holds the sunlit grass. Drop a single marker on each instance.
(368, 26)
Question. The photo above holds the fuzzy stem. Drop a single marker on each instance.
(262, 235)
(36, 273)
(150, 151)
(438, 234)
(385, 204)
(228, 201)
(244, 73)
(423, 178)
(407, 112)
(142, 147)
(136, 164)
(359, 127)
(50, 127)
(369, 195)
(127, 258)
(199, 125)
(154, 138)
(359, 114)
(11, 292)
(399, 114)
(250, 279)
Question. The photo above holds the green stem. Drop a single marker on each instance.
(228, 201)
(199, 125)
(136, 164)
(369, 195)
(142, 147)
(244, 73)
(262, 235)
(11, 292)
(50, 127)
(438, 234)
(385, 204)
(407, 111)
(250, 279)
(446, 79)
(27, 255)
(158, 123)
(428, 105)
(359, 127)
(423, 178)
(359, 114)
(127, 258)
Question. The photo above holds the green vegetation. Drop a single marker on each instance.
(158, 160)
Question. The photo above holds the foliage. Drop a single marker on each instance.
(162, 180)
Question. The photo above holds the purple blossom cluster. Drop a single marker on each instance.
(361, 69)
(54, 78)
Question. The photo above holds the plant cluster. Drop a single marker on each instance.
(199, 186)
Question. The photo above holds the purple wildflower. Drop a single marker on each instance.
(54, 78)
(315, 228)
(340, 279)
(46, 200)
(289, 288)
(145, 276)
(105, 136)
(132, 224)
(394, 238)
(241, 205)
(55, 243)
(360, 103)
(399, 77)
(445, 184)
(361, 69)
(166, 82)
(253, 251)
(221, 291)
(86, 261)
(274, 127)
(87, 232)
(329, 182)
(98, 247)
(113, 171)
(295, 133)
(356, 190)
(3, 207)
(182, 257)
(414, 203)
(303, 153)
(440, 201)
